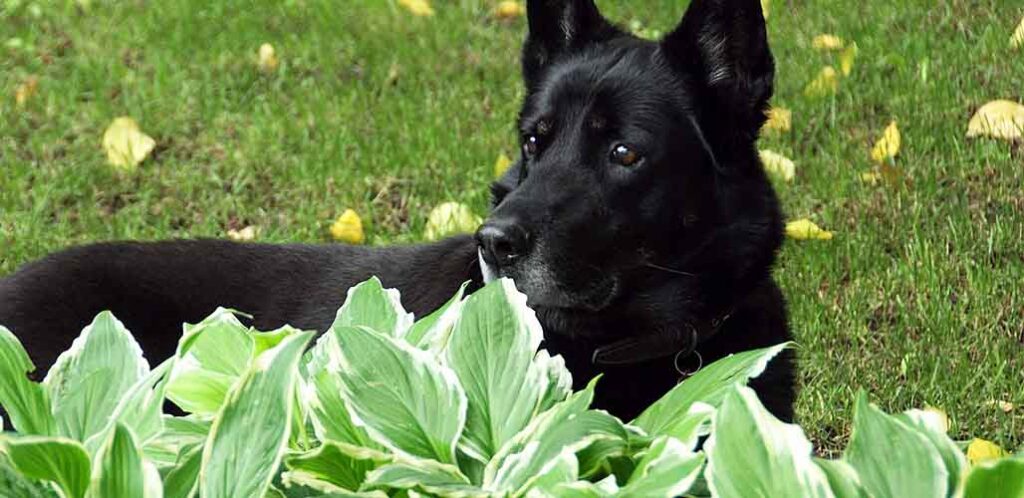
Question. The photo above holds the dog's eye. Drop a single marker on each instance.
(624, 155)
(530, 145)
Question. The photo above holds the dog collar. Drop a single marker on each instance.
(651, 347)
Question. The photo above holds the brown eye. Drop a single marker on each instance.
(623, 155)
(530, 144)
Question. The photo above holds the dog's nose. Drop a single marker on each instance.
(502, 242)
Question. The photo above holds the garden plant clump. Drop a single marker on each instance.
(460, 403)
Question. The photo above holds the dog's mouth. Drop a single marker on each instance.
(544, 290)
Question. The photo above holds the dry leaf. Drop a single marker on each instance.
(508, 10)
(777, 164)
(245, 234)
(451, 218)
(805, 229)
(501, 165)
(348, 228)
(826, 83)
(779, 120)
(394, 72)
(125, 144)
(888, 146)
(847, 58)
(766, 6)
(1004, 406)
(1017, 39)
(981, 450)
(419, 8)
(998, 119)
(267, 61)
(826, 42)
(26, 90)
(884, 172)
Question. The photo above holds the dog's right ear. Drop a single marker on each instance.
(559, 27)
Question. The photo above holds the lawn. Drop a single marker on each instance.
(916, 299)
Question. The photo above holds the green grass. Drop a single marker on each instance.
(917, 299)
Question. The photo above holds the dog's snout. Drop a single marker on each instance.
(503, 242)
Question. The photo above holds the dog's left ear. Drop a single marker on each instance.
(721, 47)
(557, 28)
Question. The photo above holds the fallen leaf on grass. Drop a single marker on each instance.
(451, 218)
(766, 7)
(884, 172)
(827, 42)
(888, 146)
(805, 229)
(420, 8)
(1017, 39)
(1004, 406)
(981, 450)
(826, 83)
(777, 164)
(125, 144)
(779, 120)
(26, 90)
(246, 234)
(501, 165)
(508, 10)
(267, 59)
(1002, 119)
(348, 228)
(847, 58)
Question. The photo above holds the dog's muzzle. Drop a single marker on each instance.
(489, 272)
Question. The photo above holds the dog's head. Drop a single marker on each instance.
(638, 186)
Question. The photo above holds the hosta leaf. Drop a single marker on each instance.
(893, 459)
(568, 426)
(87, 381)
(667, 416)
(843, 480)
(140, 408)
(181, 481)
(369, 304)
(250, 434)
(432, 331)
(564, 469)
(668, 468)
(996, 479)
(15, 485)
(322, 395)
(427, 475)
(211, 357)
(25, 401)
(117, 468)
(492, 350)
(931, 425)
(401, 395)
(751, 453)
(58, 460)
(339, 464)
(604, 488)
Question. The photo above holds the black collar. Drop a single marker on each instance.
(649, 347)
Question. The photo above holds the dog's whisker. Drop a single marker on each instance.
(669, 270)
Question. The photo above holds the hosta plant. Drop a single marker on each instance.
(459, 403)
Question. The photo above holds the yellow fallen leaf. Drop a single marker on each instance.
(1004, 406)
(826, 83)
(245, 234)
(940, 415)
(805, 229)
(125, 144)
(26, 90)
(419, 8)
(998, 119)
(779, 120)
(871, 177)
(451, 218)
(1017, 38)
(827, 42)
(888, 146)
(981, 450)
(348, 228)
(501, 165)
(509, 10)
(267, 58)
(766, 6)
(847, 58)
(777, 164)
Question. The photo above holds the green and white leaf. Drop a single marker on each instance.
(667, 469)
(26, 402)
(321, 395)
(212, 355)
(892, 458)
(1002, 478)
(87, 381)
(604, 488)
(338, 464)
(250, 433)
(401, 395)
(931, 425)
(118, 468)
(432, 331)
(843, 480)
(140, 409)
(15, 485)
(182, 480)
(369, 304)
(426, 475)
(709, 385)
(61, 461)
(751, 453)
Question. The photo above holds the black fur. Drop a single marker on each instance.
(674, 250)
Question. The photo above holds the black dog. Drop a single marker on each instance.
(638, 221)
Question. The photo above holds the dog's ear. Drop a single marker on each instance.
(559, 27)
(722, 48)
